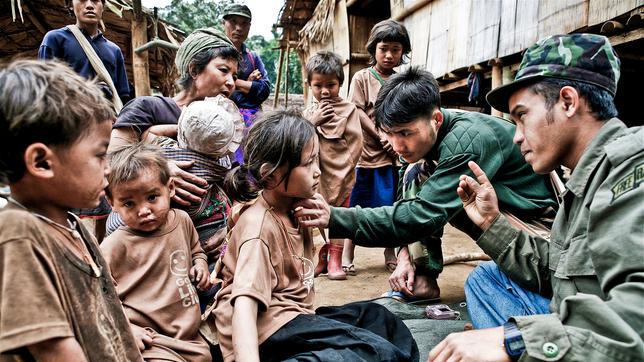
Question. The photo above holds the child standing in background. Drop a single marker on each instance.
(377, 171)
(337, 123)
(156, 257)
(265, 308)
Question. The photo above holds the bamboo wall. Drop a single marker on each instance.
(452, 34)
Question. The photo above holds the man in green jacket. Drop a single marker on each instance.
(408, 113)
(593, 266)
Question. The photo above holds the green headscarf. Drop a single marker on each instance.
(200, 39)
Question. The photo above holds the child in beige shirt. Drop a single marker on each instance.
(155, 258)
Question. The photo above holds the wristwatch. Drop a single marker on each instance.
(513, 341)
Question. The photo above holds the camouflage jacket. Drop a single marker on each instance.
(593, 266)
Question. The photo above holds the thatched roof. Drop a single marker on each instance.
(22, 37)
(320, 27)
(294, 16)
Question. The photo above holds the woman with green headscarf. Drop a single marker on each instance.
(207, 63)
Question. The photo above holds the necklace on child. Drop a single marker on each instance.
(71, 229)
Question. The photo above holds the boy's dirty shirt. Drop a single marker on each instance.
(340, 149)
(49, 293)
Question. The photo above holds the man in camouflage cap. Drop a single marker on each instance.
(592, 267)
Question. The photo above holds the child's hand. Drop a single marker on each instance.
(388, 147)
(200, 276)
(142, 337)
(323, 113)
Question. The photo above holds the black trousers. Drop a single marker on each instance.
(361, 331)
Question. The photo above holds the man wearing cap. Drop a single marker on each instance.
(252, 86)
(593, 266)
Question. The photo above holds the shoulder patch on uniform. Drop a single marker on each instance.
(628, 182)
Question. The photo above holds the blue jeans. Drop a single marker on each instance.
(492, 298)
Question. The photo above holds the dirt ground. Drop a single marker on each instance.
(371, 279)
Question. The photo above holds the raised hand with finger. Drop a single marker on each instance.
(478, 197)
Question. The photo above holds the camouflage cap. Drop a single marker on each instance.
(587, 58)
(237, 9)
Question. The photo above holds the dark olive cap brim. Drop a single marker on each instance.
(238, 14)
(499, 98)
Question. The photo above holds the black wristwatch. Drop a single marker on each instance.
(513, 341)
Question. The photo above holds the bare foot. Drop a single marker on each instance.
(426, 287)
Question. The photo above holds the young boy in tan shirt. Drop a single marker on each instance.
(58, 299)
(337, 123)
(155, 257)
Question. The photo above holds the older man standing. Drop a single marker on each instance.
(593, 266)
(252, 84)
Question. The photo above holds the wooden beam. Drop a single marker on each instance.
(360, 56)
(450, 76)
(453, 85)
(34, 20)
(288, 53)
(627, 37)
(138, 9)
(140, 64)
(476, 68)
(612, 27)
(411, 9)
(460, 83)
(635, 21)
(497, 79)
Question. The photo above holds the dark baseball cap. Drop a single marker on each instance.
(587, 58)
(238, 9)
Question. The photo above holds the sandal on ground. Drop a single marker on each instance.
(391, 264)
(402, 297)
(349, 269)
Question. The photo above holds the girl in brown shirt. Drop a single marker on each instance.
(377, 170)
(265, 308)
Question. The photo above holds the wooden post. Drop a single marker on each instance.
(140, 65)
(305, 82)
(508, 77)
(279, 77)
(497, 79)
(288, 53)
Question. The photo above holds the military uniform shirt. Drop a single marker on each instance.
(593, 268)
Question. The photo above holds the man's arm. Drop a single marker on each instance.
(260, 88)
(614, 323)
(121, 83)
(49, 47)
(507, 245)
(409, 220)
